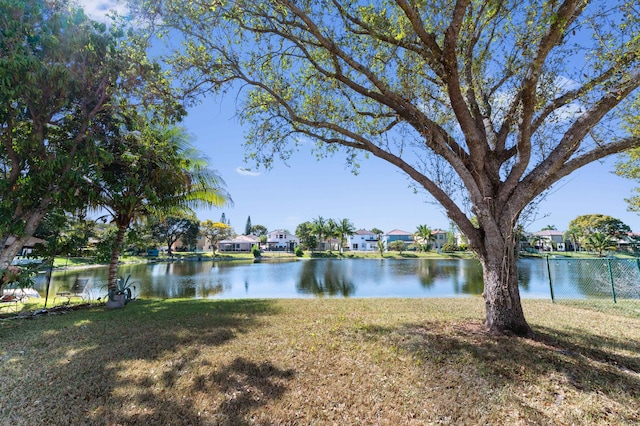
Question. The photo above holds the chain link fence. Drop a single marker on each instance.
(571, 278)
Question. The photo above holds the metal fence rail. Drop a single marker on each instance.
(571, 278)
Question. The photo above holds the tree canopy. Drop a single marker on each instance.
(483, 104)
(306, 231)
(169, 229)
(629, 167)
(63, 77)
(598, 223)
(215, 232)
(259, 230)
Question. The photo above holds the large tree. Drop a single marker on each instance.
(306, 231)
(507, 96)
(259, 230)
(215, 232)
(592, 223)
(62, 76)
(171, 228)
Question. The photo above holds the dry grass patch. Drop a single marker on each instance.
(321, 361)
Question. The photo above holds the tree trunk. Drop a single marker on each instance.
(112, 276)
(501, 292)
(32, 220)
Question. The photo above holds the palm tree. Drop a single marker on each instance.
(319, 227)
(153, 170)
(599, 242)
(380, 242)
(331, 230)
(537, 241)
(424, 236)
(573, 234)
(345, 227)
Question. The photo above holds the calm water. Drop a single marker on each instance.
(307, 278)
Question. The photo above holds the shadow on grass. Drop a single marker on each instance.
(246, 385)
(556, 362)
(131, 366)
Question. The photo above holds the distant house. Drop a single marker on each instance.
(398, 235)
(628, 242)
(242, 243)
(281, 240)
(440, 238)
(201, 244)
(549, 240)
(28, 246)
(363, 240)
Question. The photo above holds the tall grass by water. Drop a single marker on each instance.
(321, 361)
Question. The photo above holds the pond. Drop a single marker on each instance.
(305, 278)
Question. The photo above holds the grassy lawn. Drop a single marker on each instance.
(321, 361)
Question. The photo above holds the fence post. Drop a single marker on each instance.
(613, 287)
(550, 283)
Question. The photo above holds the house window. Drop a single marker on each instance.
(355, 247)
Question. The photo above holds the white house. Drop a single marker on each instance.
(363, 240)
(549, 240)
(281, 240)
(440, 238)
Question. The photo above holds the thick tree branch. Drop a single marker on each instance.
(573, 95)
(526, 99)
(475, 138)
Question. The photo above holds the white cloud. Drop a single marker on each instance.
(98, 9)
(246, 172)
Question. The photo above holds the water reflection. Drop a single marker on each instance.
(329, 278)
(309, 278)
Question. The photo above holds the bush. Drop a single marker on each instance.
(256, 251)
(449, 248)
(396, 246)
(463, 247)
(298, 251)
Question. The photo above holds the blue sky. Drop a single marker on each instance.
(380, 196)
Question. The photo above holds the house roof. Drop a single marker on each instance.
(279, 231)
(251, 239)
(31, 242)
(549, 233)
(363, 232)
(398, 232)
